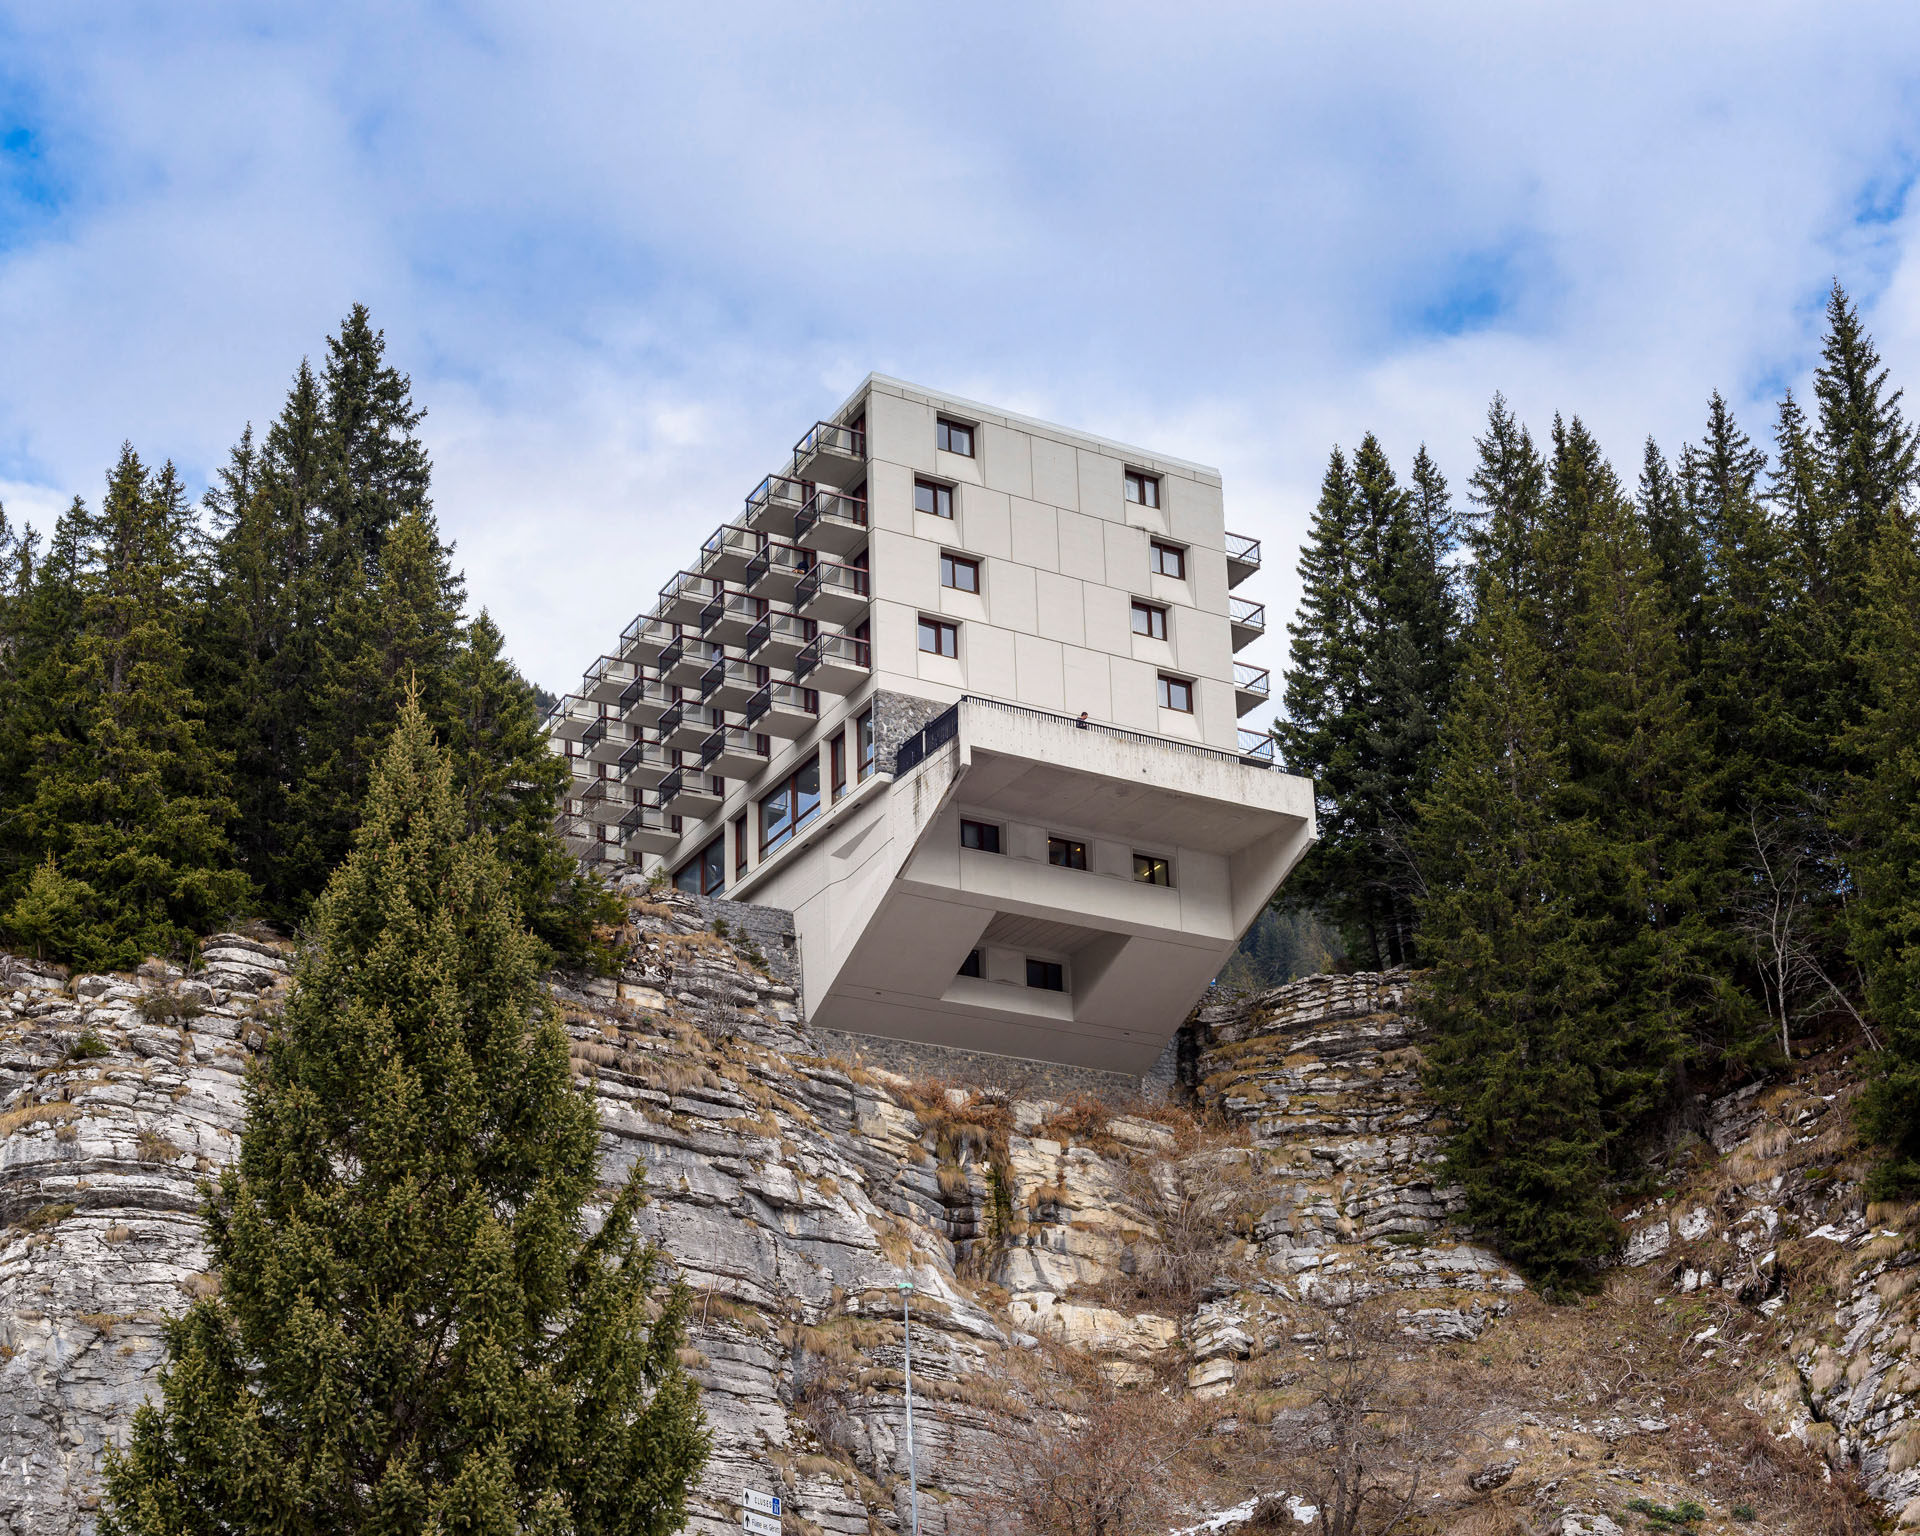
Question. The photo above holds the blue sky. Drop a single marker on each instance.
(628, 253)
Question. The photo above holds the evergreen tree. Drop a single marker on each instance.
(1515, 980)
(379, 472)
(413, 1330)
(1678, 557)
(121, 786)
(508, 782)
(1508, 490)
(1881, 817)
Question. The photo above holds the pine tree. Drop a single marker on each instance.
(413, 1330)
(508, 781)
(379, 467)
(1508, 490)
(1675, 543)
(122, 787)
(1515, 980)
(1881, 818)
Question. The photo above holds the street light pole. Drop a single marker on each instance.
(906, 1324)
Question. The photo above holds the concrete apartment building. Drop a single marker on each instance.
(957, 689)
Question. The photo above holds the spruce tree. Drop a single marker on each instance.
(1675, 543)
(1515, 979)
(1881, 818)
(508, 780)
(414, 1330)
(122, 788)
(1508, 489)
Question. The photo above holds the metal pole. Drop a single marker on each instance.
(906, 1324)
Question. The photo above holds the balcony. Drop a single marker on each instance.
(729, 683)
(773, 573)
(648, 829)
(686, 661)
(835, 593)
(646, 637)
(730, 617)
(833, 662)
(832, 523)
(606, 678)
(686, 725)
(605, 801)
(1247, 621)
(686, 792)
(831, 454)
(645, 763)
(644, 698)
(785, 710)
(1256, 749)
(728, 548)
(734, 752)
(571, 717)
(1251, 687)
(1243, 558)
(776, 501)
(608, 739)
(682, 598)
(778, 638)
(578, 768)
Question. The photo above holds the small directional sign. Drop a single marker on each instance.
(761, 1503)
(759, 1525)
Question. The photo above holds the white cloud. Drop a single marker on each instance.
(628, 254)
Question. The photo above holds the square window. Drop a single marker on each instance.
(1176, 693)
(1143, 488)
(1151, 869)
(1167, 560)
(1047, 975)
(1067, 853)
(959, 572)
(1149, 619)
(971, 965)
(938, 637)
(931, 497)
(981, 836)
(954, 437)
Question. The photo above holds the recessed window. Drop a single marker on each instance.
(928, 496)
(1167, 560)
(1176, 693)
(1047, 975)
(837, 757)
(740, 844)
(960, 573)
(1151, 869)
(787, 809)
(706, 872)
(981, 836)
(971, 965)
(1142, 488)
(863, 735)
(1149, 619)
(953, 437)
(1066, 853)
(939, 638)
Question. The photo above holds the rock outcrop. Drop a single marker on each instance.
(795, 1192)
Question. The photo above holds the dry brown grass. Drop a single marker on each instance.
(34, 1114)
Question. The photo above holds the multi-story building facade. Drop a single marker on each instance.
(958, 690)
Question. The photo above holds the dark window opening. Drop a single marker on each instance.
(864, 728)
(1066, 853)
(1151, 869)
(1047, 975)
(787, 809)
(981, 836)
(706, 872)
(971, 965)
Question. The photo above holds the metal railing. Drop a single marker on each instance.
(649, 626)
(849, 579)
(830, 437)
(727, 668)
(834, 506)
(738, 603)
(788, 557)
(1248, 615)
(789, 695)
(729, 536)
(1243, 549)
(942, 729)
(834, 645)
(1256, 746)
(790, 625)
(1252, 679)
(643, 687)
(776, 490)
(731, 738)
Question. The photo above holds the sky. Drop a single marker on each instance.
(628, 253)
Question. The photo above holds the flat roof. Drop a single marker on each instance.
(978, 410)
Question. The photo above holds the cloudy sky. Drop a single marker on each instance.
(629, 252)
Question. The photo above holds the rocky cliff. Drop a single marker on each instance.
(1191, 1246)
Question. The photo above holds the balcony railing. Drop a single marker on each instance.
(774, 502)
(730, 673)
(1246, 621)
(645, 690)
(775, 562)
(789, 696)
(834, 651)
(735, 606)
(647, 633)
(736, 749)
(728, 548)
(830, 437)
(1243, 550)
(778, 624)
(1248, 679)
(846, 581)
(832, 519)
(1256, 749)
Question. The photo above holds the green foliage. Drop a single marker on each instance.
(89, 1047)
(1666, 1517)
(58, 916)
(414, 1330)
(1280, 947)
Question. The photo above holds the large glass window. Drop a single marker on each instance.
(788, 808)
(706, 872)
(837, 755)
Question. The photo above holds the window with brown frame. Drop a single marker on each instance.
(1167, 560)
(1143, 488)
(788, 808)
(1176, 693)
(953, 437)
(863, 742)
(740, 844)
(705, 873)
(938, 637)
(959, 572)
(837, 755)
(1149, 619)
(931, 496)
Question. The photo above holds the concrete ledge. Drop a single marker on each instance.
(1014, 1076)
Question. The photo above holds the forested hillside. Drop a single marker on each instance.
(191, 699)
(1631, 768)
